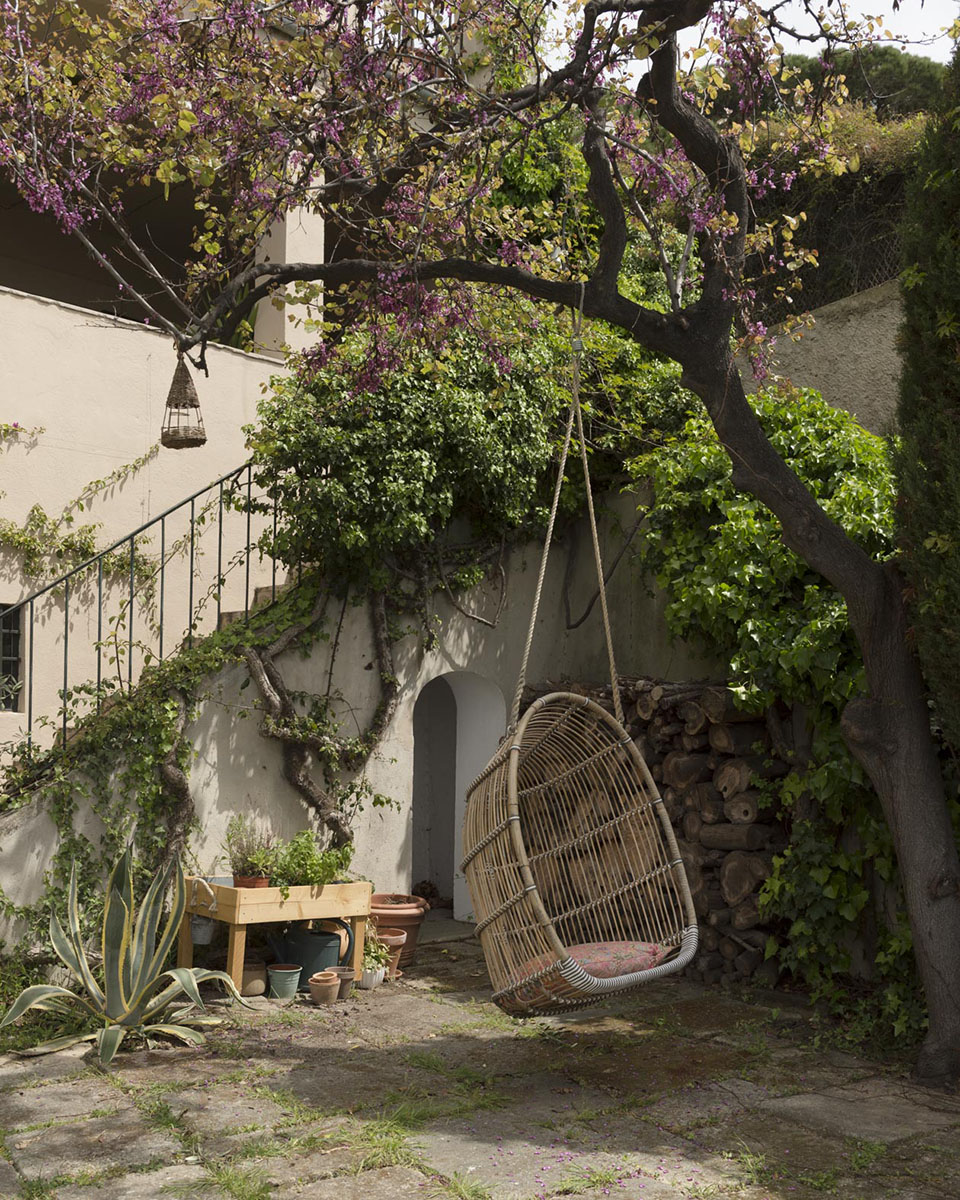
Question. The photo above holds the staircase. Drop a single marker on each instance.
(179, 576)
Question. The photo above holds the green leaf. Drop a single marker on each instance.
(108, 1042)
(57, 1043)
(33, 997)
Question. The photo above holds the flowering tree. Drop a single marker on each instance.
(395, 119)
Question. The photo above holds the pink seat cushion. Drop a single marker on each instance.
(607, 960)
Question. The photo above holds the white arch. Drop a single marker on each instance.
(481, 714)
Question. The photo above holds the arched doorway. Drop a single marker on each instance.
(458, 720)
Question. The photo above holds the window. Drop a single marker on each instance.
(11, 676)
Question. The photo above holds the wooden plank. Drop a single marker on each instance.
(236, 947)
(247, 906)
(359, 926)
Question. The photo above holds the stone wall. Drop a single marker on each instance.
(849, 355)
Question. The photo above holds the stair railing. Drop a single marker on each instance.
(148, 575)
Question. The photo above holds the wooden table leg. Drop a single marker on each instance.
(185, 943)
(236, 946)
(359, 926)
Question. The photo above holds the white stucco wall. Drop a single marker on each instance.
(97, 386)
(237, 770)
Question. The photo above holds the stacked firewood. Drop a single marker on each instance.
(706, 756)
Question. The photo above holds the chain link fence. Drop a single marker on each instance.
(855, 230)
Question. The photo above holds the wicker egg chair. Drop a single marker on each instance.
(572, 865)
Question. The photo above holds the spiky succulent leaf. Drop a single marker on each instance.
(200, 975)
(38, 996)
(57, 1043)
(65, 949)
(145, 931)
(108, 1042)
(193, 1037)
(117, 928)
(76, 939)
(178, 902)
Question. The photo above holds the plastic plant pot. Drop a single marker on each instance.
(372, 977)
(284, 978)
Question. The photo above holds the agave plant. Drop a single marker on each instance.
(137, 995)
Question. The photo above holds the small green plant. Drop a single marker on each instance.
(866, 1153)
(249, 851)
(302, 862)
(136, 995)
(375, 953)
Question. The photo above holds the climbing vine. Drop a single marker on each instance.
(734, 587)
(48, 544)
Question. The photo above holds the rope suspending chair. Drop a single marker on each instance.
(573, 868)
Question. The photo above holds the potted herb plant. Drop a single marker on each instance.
(250, 853)
(302, 862)
(376, 958)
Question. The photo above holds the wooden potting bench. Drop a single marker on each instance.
(240, 907)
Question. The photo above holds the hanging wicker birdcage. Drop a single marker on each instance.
(182, 420)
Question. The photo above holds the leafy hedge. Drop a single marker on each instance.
(928, 466)
(733, 586)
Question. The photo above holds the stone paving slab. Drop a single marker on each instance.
(9, 1180)
(697, 1105)
(654, 1064)
(222, 1115)
(550, 1138)
(385, 1183)
(878, 1109)
(177, 1066)
(17, 1071)
(61, 1101)
(124, 1140)
(291, 1174)
(175, 1183)
(639, 1187)
(355, 1080)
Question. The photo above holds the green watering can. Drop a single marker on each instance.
(313, 949)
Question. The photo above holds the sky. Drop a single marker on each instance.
(913, 21)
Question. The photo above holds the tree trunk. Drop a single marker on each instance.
(889, 732)
(889, 729)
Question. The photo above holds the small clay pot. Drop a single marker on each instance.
(324, 987)
(345, 975)
(251, 881)
(394, 940)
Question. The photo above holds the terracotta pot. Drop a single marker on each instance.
(394, 940)
(400, 912)
(251, 881)
(324, 987)
(345, 975)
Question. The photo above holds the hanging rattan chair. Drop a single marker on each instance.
(572, 865)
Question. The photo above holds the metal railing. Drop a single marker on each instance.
(126, 590)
